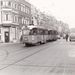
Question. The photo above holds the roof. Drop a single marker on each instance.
(33, 26)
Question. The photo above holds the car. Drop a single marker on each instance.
(72, 36)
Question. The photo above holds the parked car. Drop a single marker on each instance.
(72, 36)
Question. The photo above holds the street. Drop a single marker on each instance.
(52, 58)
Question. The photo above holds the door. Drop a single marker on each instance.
(6, 36)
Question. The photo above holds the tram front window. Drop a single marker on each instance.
(26, 32)
(33, 32)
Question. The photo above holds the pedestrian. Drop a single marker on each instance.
(21, 39)
(66, 37)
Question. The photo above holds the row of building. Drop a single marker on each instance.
(15, 14)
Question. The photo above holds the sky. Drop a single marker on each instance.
(62, 10)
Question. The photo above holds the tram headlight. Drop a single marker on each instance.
(25, 38)
(32, 37)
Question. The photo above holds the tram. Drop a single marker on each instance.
(52, 35)
(33, 35)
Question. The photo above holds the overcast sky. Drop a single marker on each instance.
(63, 10)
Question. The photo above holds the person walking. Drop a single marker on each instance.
(66, 37)
(21, 39)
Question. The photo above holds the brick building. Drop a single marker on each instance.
(14, 14)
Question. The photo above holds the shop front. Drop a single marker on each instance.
(9, 34)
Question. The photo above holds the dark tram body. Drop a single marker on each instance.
(33, 35)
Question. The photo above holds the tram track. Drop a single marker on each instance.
(22, 49)
(39, 50)
(5, 55)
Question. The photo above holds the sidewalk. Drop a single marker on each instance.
(3, 44)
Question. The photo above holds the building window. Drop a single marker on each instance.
(1, 3)
(22, 8)
(15, 19)
(23, 20)
(14, 33)
(0, 31)
(7, 17)
(15, 5)
(20, 21)
(28, 21)
(19, 7)
(0, 37)
(6, 4)
(9, 3)
(26, 9)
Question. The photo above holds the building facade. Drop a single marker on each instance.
(14, 14)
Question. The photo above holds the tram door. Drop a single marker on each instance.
(6, 36)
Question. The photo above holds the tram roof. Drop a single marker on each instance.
(31, 27)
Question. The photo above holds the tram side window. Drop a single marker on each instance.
(38, 32)
(41, 32)
(46, 32)
(55, 32)
(50, 32)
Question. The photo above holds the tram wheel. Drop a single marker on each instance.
(70, 39)
(26, 44)
(37, 43)
(42, 42)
